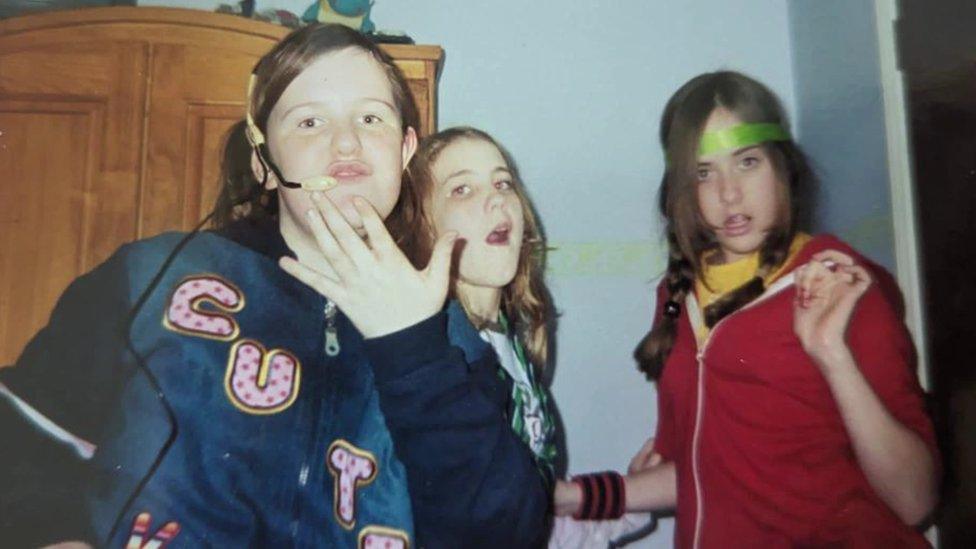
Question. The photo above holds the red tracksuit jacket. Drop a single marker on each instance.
(762, 455)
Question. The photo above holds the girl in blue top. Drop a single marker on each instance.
(465, 181)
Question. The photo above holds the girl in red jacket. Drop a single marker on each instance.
(789, 412)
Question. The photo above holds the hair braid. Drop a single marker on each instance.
(655, 347)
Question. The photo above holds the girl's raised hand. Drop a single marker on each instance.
(373, 284)
(827, 290)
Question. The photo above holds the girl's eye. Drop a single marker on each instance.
(460, 190)
(308, 123)
(703, 174)
(370, 119)
(503, 185)
(749, 162)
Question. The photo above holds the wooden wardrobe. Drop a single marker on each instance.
(111, 127)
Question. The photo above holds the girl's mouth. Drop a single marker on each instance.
(499, 235)
(737, 225)
(348, 170)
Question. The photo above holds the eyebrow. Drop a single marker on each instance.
(744, 149)
(466, 171)
(383, 102)
(298, 106)
(736, 152)
(455, 174)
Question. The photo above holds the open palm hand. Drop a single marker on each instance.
(373, 283)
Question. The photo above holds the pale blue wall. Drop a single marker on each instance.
(840, 116)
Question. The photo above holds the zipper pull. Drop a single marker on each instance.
(331, 333)
(331, 342)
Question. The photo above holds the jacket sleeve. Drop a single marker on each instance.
(52, 402)
(883, 349)
(472, 481)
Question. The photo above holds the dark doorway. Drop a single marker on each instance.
(937, 48)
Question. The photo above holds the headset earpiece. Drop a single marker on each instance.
(256, 138)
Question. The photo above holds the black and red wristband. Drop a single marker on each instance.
(604, 496)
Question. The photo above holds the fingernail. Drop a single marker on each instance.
(359, 202)
(310, 213)
(317, 196)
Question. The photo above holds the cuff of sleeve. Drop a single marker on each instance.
(400, 353)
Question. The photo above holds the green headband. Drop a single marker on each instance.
(737, 137)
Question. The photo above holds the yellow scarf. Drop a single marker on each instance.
(720, 279)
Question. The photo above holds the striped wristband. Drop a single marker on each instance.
(604, 496)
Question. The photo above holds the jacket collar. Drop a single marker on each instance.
(262, 236)
(463, 334)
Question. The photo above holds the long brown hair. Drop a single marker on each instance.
(525, 301)
(241, 195)
(688, 236)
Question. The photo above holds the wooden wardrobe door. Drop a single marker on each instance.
(420, 65)
(198, 93)
(71, 123)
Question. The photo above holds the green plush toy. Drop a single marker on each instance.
(351, 13)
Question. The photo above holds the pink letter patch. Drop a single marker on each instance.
(185, 314)
(261, 382)
(162, 537)
(351, 468)
(380, 537)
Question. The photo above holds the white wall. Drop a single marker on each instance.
(575, 91)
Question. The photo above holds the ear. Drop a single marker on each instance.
(258, 169)
(409, 146)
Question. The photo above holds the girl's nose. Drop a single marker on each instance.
(495, 199)
(345, 140)
(730, 191)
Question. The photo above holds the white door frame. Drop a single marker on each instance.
(907, 257)
(901, 174)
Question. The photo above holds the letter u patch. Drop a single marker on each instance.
(260, 381)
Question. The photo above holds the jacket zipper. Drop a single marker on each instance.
(331, 334)
(691, 304)
(694, 317)
(331, 348)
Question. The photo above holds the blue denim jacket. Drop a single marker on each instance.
(195, 448)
